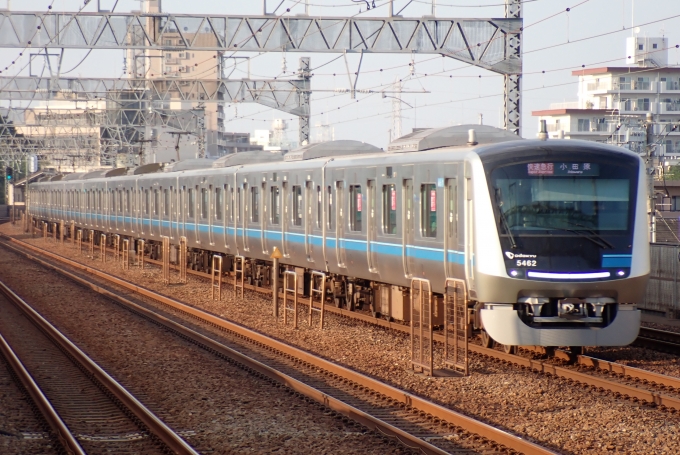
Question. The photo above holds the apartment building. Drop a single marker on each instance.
(614, 102)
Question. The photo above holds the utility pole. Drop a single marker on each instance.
(305, 96)
(650, 162)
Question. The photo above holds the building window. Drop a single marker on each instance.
(640, 47)
(654, 46)
(389, 209)
(297, 205)
(275, 204)
(642, 104)
(428, 210)
(355, 207)
(583, 124)
(675, 203)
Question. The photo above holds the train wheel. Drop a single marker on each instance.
(487, 341)
(508, 349)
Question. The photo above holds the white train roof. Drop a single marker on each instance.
(450, 136)
(330, 149)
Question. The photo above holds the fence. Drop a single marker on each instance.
(663, 289)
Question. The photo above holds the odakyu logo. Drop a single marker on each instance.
(511, 255)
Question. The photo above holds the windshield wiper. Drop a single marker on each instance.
(593, 233)
(504, 220)
(596, 239)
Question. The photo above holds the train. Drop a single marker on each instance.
(549, 237)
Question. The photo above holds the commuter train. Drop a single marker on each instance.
(550, 237)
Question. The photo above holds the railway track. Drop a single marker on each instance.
(86, 409)
(660, 340)
(416, 422)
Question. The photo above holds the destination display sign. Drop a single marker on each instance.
(564, 169)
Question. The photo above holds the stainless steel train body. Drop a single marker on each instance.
(550, 237)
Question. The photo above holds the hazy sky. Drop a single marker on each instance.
(459, 99)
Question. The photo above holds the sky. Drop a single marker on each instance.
(560, 36)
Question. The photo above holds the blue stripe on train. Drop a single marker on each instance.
(390, 249)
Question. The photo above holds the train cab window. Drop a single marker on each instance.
(254, 204)
(355, 207)
(428, 210)
(297, 205)
(389, 209)
(191, 202)
(156, 202)
(204, 203)
(166, 201)
(219, 202)
(275, 204)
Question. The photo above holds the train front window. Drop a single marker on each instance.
(561, 198)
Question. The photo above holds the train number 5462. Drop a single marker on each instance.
(525, 263)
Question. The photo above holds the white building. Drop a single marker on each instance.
(613, 102)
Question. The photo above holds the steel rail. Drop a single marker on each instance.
(660, 340)
(157, 427)
(64, 435)
(469, 424)
(535, 365)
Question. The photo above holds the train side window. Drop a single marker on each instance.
(254, 204)
(204, 203)
(156, 202)
(100, 205)
(297, 205)
(147, 201)
(113, 200)
(453, 200)
(166, 201)
(389, 209)
(319, 207)
(231, 204)
(191, 202)
(275, 203)
(428, 210)
(329, 209)
(218, 203)
(127, 201)
(355, 207)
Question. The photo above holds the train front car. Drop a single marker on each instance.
(562, 250)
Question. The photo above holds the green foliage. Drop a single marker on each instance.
(673, 173)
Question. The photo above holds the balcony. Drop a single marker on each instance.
(670, 108)
(600, 86)
(670, 87)
(634, 86)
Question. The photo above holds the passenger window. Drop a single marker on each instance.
(204, 203)
(218, 203)
(100, 205)
(453, 199)
(319, 207)
(428, 210)
(147, 201)
(254, 204)
(355, 203)
(120, 200)
(166, 202)
(329, 211)
(156, 202)
(231, 204)
(113, 201)
(389, 209)
(275, 203)
(238, 204)
(192, 202)
(297, 205)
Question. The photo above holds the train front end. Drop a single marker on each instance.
(561, 247)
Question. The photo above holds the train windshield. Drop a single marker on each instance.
(563, 198)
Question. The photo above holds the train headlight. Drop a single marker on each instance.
(620, 273)
(514, 273)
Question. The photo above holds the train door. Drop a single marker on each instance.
(284, 219)
(340, 224)
(245, 211)
(370, 226)
(408, 224)
(308, 219)
(450, 226)
(469, 229)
